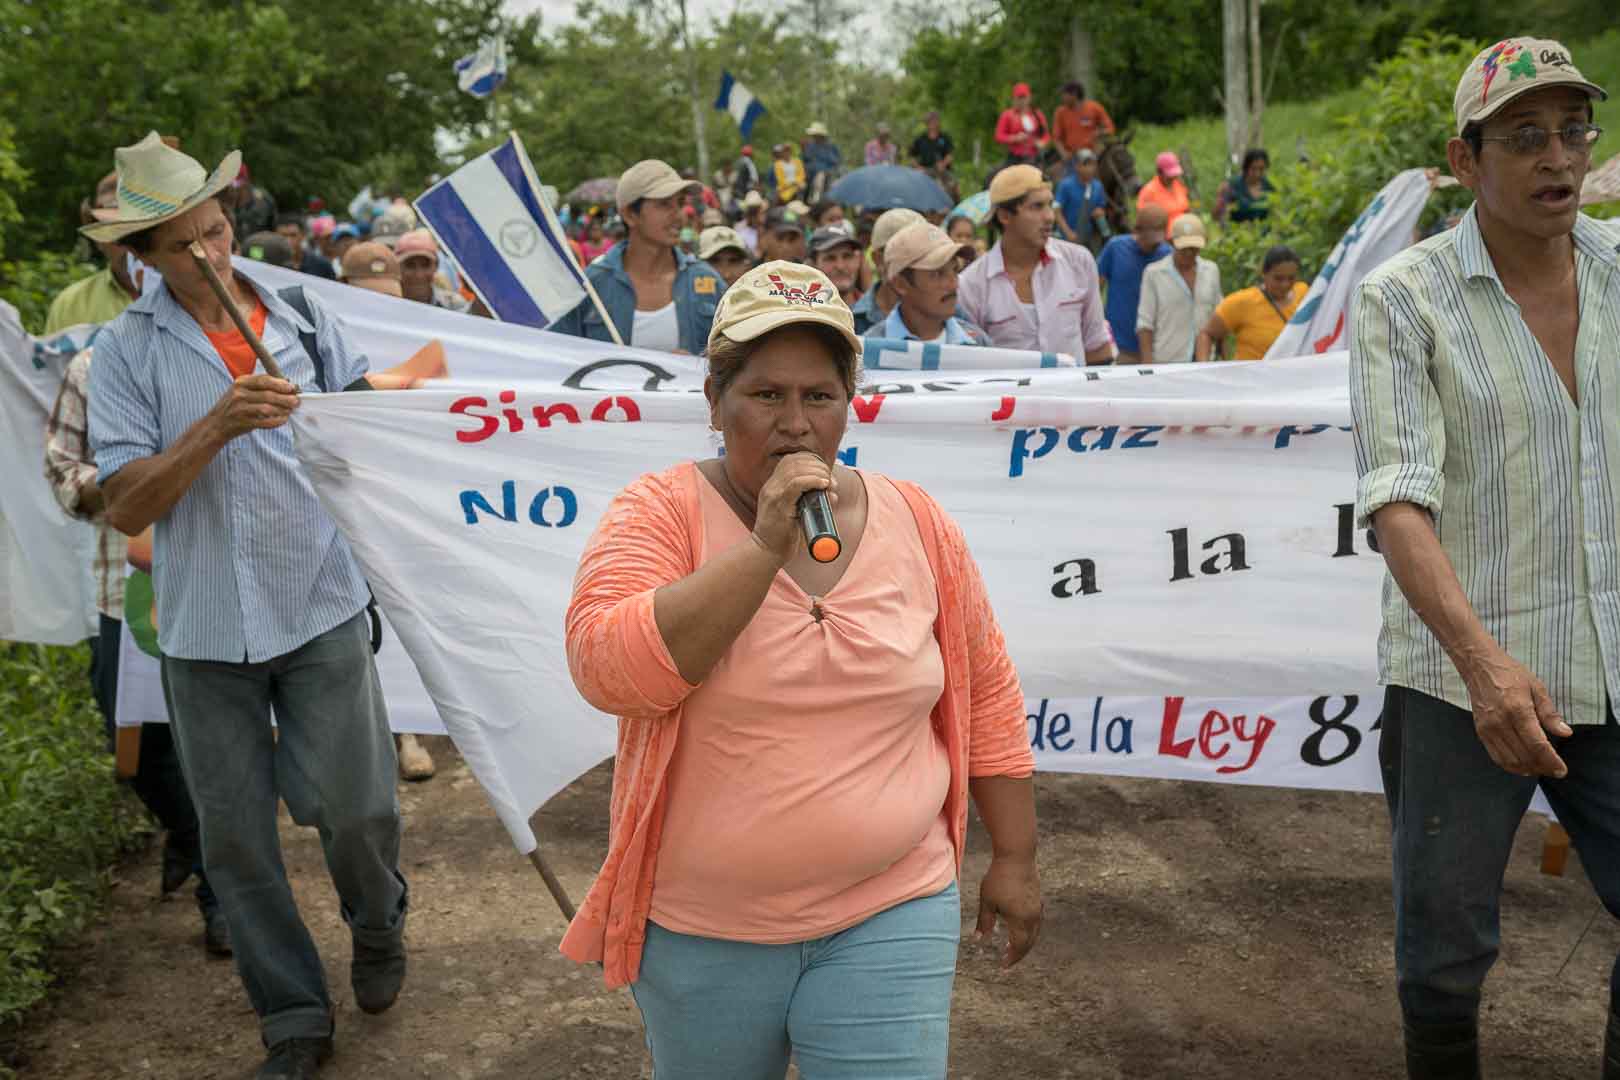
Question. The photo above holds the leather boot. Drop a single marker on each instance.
(1611, 1049)
(1446, 1051)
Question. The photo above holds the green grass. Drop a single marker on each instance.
(1309, 127)
(64, 820)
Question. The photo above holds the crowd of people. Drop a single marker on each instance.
(904, 701)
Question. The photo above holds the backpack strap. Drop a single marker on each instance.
(295, 298)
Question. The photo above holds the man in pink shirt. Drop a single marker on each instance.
(1031, 291)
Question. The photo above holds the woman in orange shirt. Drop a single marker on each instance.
(797, 739)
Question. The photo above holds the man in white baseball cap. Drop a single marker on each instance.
(920, 263)
(723, 249)
(1486, 397)
(658, 296)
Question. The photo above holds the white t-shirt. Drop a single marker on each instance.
(657, 329)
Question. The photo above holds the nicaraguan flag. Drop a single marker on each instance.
(490, 217)
(480, 73)
(739, 101)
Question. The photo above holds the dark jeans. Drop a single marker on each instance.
(158, 781)
(1453, 816)
(334, 766)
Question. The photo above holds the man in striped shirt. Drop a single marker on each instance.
(1485, 385)
(260, 602)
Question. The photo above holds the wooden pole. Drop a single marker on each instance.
(554, 886)
(1235, 50)
(224, 295)
(1257, 101)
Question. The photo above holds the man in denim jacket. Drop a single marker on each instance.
(657, 295)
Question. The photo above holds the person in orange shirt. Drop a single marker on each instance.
(1078, 121)
(1167, 188)
(798, 739)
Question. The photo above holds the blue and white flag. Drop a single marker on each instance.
(490, 216)
(483, 71)
(739, 101)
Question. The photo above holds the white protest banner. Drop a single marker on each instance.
(1182, 600)
(1383, 229)
(46, 591)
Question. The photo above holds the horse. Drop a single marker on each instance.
(1116, 168)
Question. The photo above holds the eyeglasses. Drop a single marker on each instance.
(1577, 138)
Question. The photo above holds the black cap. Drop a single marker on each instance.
(825, 239)
(780, 217)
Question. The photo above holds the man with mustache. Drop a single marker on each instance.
(921, 262)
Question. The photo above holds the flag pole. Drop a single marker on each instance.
(556, 227)
(553, 885)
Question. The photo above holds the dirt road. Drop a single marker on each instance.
(1191, 931)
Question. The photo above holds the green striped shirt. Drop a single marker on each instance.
(1458, 410)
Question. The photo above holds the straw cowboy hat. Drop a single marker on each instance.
(157, 183)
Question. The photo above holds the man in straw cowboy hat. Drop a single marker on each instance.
(262, 602)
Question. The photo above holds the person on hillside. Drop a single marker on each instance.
(102, 296)
(960, 227)
(305, 259)
(835, 252)
(70, 469)
(658, 296)
(420, 280)
(881, 148)
(788, 172)
(1031, 291)
(1082, 203)
(822, 160)
(1167, 189)
(262, 602)
(724, 250)
(1123, 261)
(934, 152)
(1022, 129)
(1246, 196)
(1179, 294)
(921, 262)
(252, 208)
(753, 207)
(879, 297)
(1078, 121)
(781, 237)
(805, 906)
(1256, 315)
(1483, 394)
(744, 174)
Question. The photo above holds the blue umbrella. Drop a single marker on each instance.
(976, 208)
(883, 187)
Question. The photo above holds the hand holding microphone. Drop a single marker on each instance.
(796, 507)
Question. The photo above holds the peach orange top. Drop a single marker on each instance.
(234, 351)
(652, 535)
(806, 787)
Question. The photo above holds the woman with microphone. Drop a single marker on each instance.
(798, 739)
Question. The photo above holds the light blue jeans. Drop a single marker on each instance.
(870, 1002)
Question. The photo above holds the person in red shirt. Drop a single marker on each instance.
(1022, 129)
(1078, 121)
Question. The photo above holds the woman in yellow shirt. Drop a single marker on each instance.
(1256, 315)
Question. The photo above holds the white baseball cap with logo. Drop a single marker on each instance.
(1510, 69)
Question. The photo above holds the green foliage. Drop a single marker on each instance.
(309, 90)
(13, 178)
(30, 285)
(1401, 120)
(63, 819)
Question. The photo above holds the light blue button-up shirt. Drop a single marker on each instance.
(958, 331)
(248, 565)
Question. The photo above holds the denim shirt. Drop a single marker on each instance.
(696, 290)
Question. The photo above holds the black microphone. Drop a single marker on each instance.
(816, 522)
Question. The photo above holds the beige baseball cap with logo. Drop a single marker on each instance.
(1510, 69)
(777, 294)
(923, 246)
(652, 179)
(1187, 231)
(716, 238)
